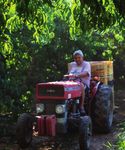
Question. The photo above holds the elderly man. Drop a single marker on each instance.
(82, 71)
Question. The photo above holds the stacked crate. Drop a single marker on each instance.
(103, 69)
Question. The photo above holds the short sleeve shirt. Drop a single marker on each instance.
(84, 67)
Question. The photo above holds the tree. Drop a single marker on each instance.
(37, 38)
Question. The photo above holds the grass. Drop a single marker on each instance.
(119, 143)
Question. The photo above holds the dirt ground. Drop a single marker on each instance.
(70, 142)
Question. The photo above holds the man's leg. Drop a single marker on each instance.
(82, 110)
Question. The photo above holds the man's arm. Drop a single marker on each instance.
(83, 75)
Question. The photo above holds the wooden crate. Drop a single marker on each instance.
(103, 69)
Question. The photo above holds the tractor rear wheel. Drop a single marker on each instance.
(102, 109)
(24, 130)
(85, 133)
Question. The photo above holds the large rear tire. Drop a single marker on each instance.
(102, 109)
(85, 133)
(24, 130)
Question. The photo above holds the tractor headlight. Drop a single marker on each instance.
(60, 109)
(39, 108)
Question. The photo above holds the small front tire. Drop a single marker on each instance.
(85, 133)
(24, 130)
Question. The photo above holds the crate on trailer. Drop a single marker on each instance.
(103, 69)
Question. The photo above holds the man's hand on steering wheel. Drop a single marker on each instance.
(71, 76)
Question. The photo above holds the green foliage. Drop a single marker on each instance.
(119, 143)
(38, 37)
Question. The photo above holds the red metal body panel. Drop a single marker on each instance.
(71, 90)
(46, 125)
(51, 125)
(41, 125)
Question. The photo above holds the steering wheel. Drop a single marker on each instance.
(70, 77)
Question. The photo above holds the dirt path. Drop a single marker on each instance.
(70, 142)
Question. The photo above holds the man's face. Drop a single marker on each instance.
(78, 59)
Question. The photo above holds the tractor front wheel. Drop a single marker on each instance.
(24, 130)
(85, 133)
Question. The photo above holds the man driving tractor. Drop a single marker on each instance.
(82, 71)
(60, 106)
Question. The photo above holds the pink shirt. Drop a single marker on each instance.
(84, 67)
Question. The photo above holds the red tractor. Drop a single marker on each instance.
(57, 111)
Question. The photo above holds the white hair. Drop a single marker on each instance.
(79, 52)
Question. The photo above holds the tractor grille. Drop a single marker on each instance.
(51, 91)
(50, 108)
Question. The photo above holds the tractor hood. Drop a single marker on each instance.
(59, 90)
